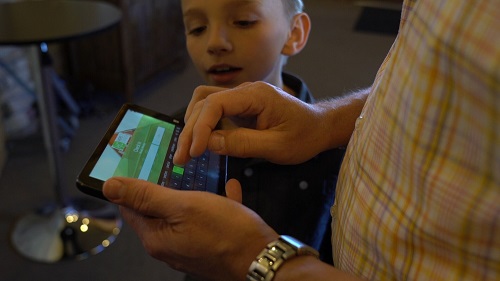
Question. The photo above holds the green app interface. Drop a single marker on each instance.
(141, 147)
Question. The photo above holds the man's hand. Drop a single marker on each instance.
(275, 125)
(196, 232)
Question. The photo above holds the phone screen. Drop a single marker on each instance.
(141, 147)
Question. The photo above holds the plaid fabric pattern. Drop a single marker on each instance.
(419, 192)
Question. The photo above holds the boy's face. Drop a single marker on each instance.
(236, 41)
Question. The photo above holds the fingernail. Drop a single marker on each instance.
(114, 189)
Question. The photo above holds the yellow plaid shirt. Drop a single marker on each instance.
(419, 192)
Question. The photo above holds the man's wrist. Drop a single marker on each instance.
(339, 115)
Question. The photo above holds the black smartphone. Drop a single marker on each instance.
(140, 143)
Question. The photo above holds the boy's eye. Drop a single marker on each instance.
(245, 23)
(197, 30)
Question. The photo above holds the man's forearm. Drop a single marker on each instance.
(309, 268)
(340, 116)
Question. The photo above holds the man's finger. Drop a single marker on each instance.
(200, 93)
(233, 190)
(243, 142)
(144, 197)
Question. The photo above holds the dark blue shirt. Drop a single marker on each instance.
(293, 199)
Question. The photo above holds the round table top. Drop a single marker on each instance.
(32, 22)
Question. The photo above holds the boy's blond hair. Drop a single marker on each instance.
(293, 7)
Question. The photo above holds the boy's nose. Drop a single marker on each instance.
(218, 42)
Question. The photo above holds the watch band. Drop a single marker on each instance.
(264, 267)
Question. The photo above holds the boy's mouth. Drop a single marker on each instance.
(224, 74)
(223, 69)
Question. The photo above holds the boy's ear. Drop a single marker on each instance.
(299, 33)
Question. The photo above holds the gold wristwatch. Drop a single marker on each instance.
(264, 267)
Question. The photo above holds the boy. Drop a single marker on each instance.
(235, 41)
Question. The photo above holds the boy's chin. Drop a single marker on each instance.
(226, 85)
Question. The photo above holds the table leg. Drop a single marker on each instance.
(68, 229)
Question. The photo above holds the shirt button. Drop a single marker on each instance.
(303, 185)
(248, 172)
